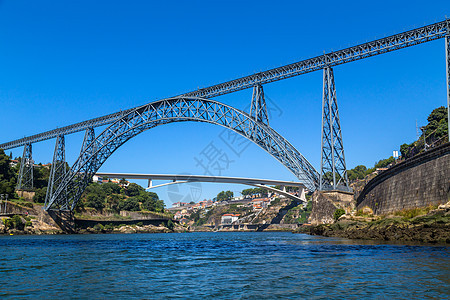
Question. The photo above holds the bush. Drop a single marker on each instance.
(170, 224)
(109, 227)
(39, 196)
(414, 212)
(27, 204)
(140, 224)
(98, 227)
(95, 201)
(338, 213)
(8, 223)
(130, 204)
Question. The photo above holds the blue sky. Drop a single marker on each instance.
(63, 62)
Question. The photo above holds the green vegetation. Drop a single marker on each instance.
(254, 191)
(360, 213)
(170, 225)
(7, 176)
(408, 214)
(338, 213)
(434, 131)
(298, 214)
(361, 171)
(115, 198)
(224, 195)
(15, 222)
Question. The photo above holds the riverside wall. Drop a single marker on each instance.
(418, 182)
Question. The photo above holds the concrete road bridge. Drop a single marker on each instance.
(67, 185)
(179, 179)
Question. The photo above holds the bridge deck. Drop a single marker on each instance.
(202, 178)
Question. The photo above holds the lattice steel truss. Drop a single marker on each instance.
(380, 46)
(333, 172)
(177, 109)
(58, 170)
(258, 109)
(26, 169)
(89, 137)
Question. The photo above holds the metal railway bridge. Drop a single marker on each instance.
(67, 184)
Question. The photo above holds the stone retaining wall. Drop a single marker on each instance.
(418, 182)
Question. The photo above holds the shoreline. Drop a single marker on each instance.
(430, 228)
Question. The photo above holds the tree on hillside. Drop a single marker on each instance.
(255, 191)
(150, 201)
(95, 201)
(7, 176)
(111, 188)
(384, 162)
(113, 202)
(225, 195)
(358, 172)
(39, 196)
(437, 120)
(134, 189)
(41, 176)
(130, 204)
(435, 130)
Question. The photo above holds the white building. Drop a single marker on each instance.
(229, 218)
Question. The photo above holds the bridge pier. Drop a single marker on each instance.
(58, 170)
(26, 169)
(333, 171)
(258, 109)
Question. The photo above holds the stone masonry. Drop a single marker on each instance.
(418, 182)
(325, 203)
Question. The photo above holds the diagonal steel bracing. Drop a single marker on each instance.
(58, 170)
(26, 169)
(258, 109)
(181, 109)
(333, 172)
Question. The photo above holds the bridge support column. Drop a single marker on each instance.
(333, 172)
(58, 170)
(302, 195)
(258, 109)
(26, 169)
(89, 137)
(447, 65)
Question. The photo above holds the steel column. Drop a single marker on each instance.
(89, 137)
(58, 170)
(26, 169)
(258, 108)
(333, 172)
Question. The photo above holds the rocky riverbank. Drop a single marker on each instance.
(411, 226)
(30, 219)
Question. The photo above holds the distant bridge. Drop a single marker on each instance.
(177, 179)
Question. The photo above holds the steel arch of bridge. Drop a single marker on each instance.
(167, 111)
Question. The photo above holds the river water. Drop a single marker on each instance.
(219, 265)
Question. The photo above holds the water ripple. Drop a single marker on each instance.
(219, 265)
